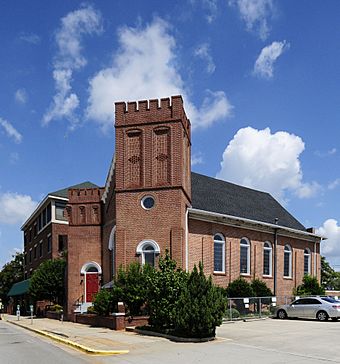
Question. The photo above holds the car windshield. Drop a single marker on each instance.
(329, 299)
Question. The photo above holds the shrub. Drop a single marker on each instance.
(240, 288)
(131, 286)
(56, 308)
(164, 289)
(200, 307)
(233, 314)
(310, 286)
(103, 302)
(91, 310)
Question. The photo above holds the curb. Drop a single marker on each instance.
(172, 337)
(73, 344)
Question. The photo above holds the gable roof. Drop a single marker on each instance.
(64, 192)
(214, 195)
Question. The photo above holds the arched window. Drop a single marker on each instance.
(219, 253)
(148, 249)
(306, 261)
(267, 259)
(244, 256)
(287, 261)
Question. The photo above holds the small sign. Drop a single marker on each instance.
(245, 300)
(31, 308)
(273, 299)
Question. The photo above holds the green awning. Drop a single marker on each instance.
(20, 288)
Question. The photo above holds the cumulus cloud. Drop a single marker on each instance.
(10, 130)
(145, 67)
(331, 230)
(203, 52)
(334, 184)
(266, 161)
(21, 96)
(15, 208)
(255, 14)
(264, 65)
(196, 158)
(209, 8)
(69, 37)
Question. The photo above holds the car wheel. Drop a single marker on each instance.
(281, 314)
(322, 316)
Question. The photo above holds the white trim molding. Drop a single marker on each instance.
(139, 249)
(88, 265)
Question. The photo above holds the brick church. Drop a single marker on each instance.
(152, 201)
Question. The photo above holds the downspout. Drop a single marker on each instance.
(187, 239)
(275, 256)
(315, 259)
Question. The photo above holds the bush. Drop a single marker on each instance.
(234, 313)
(56, 308)
(131, 286)
(310, 286)
(200, 307)
(261, 290)
(103, 302)
(91, 310)
(240, 288)
(164, 289)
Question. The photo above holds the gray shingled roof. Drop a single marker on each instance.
(211, 194)
(64, 192)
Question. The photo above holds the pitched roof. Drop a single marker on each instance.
(211, 194)
(64, 192)
(19, 289)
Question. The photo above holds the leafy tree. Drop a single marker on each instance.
(48, 281)
(240, 288)
(200, 307)
(260, 288)
(310, 286)
(164, 289)
(131, 286)
(11, 273)
(328, 274)
(103, 303)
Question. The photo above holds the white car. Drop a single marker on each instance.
(321, 308)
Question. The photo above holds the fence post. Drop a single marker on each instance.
(230, 311)
(260, 306)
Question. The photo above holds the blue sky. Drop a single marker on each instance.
(260, 81)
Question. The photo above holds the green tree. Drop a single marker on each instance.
(11, 273)
(240, 288)
(310, 286)
(260, 288)
(200, 307)
(164, 289)
(48, 281)
(328, 274)
(131, 286)
(103, 303)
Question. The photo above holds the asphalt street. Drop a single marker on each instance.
(18, 346)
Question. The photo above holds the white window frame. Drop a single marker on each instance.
(307, 253)
(270, 249)
(247, 245)
(141, 246)
(289, 251)
(221, 242)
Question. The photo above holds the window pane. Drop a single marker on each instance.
(48, 212)
(218, 257)
(59, 211)
(149, 258)
(266, 262)
(286, 268)
(244, 259)
(306, 264)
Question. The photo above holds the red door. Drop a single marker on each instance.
(91, 286)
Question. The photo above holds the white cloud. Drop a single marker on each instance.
(15, 208)
(145, 67)
(331, 230)
(76, 24)
(10, 130)
(255, 14)
(334, 184)
(196, 158)
(327, 153)
(30, 38)
(265, 161)
(203, 52)
(264, 65)
(21, 96)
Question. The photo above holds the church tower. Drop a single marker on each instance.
(153, 180)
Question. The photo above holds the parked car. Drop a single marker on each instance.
(321, 308)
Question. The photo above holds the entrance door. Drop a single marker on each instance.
(92, 286)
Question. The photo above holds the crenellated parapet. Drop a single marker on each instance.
(151, 111)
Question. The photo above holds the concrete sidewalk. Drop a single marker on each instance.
(92, 340)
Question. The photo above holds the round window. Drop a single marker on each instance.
(148, 202)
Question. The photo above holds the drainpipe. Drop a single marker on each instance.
(315, 259)
(275, 255)
(187, 239)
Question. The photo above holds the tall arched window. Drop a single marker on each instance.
(244, 256)
(306, 261)
(287, 261)
(267, 258)
(219, 253)
(148, 249)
